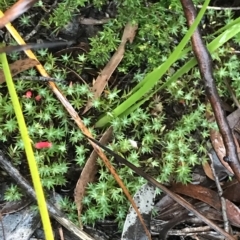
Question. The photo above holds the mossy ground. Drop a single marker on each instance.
(171, 129)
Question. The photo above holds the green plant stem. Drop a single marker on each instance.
(28, 149)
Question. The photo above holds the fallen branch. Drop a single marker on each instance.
(53, 211)
(205, 66)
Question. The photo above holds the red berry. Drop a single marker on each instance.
(41, 145)
(38, 98)
(28, 94)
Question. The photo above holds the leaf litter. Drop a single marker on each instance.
(102, 80)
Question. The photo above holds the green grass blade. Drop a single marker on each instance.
(28, 149)
(215, 44)
(147, 84)
(151, 79)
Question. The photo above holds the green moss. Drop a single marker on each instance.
(158, 137)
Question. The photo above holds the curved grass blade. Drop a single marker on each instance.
(152, 78)
(134, 101)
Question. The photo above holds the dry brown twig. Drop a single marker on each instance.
(205, 66)
(74, 114)
(174, 196)
(222, 199)
(36, 28)
(6, 165)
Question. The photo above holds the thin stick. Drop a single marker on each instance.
(36, 28)
(220, 193)
(172, 195)
(220, 8)
(232, 93)
(205, 66)
(39, 78)
(53, 211)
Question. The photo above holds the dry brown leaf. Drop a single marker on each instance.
(210, 197)
(104, 76)
(18, 67)
(233, 118)
(217, 140)
(88, 174)
(14, 206)
(219, 148)
(208, 171)
(232, 191)
(100, 153)
(15, 11)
